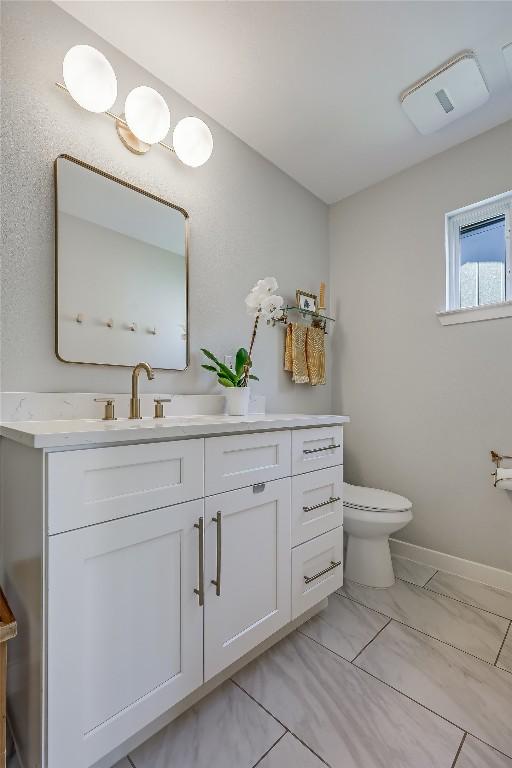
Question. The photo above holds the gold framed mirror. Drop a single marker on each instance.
(121, 272)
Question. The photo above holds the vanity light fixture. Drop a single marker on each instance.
(91, 81)
(147, 114)
(89, 78)
(193, 142)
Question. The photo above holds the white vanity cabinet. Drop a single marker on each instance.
(153, 567)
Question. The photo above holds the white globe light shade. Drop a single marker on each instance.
(89, 78)
(192, 141)
(147, 114)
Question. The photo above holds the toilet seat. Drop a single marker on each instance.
(373, 499)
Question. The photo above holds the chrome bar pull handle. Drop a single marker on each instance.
(331, 500)
(200, 589)
(334, 564)
(325, 448)
(218, 521)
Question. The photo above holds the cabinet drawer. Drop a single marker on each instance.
(92, 486)
(238, 461)
(317, 503)
(316, 448)
(317, 570)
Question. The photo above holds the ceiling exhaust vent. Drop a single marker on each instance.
(449, 92)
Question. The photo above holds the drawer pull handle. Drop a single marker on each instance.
(218, 520)
(334, 564)
(200, 589)
(332, 500)
(325, 448)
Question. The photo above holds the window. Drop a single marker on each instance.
(478, 254)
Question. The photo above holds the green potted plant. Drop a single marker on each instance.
(261, 302)
(235, 381)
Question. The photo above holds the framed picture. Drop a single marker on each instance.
(307, 301)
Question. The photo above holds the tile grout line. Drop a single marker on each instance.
(432, 711)
(457, 599)
(287, 730)
(260, 705)
(451, 597)
(428, 580)
(271, 748)
(405, 695)
(463, 602)
(459, 750)
(501, 646)
(371, 641)
(426, 634)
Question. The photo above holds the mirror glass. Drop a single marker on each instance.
(121, 272)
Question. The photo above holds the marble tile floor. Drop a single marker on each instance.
(415, 676)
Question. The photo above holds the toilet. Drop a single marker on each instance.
(370, 516)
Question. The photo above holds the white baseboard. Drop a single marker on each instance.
(486, 574)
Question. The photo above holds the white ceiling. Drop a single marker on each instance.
(313, 86)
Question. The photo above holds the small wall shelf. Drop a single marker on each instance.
(317, 320)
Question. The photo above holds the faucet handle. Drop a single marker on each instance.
(109, 414)
(159, 406)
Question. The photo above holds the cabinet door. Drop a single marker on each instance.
(125, 630)
(255, 570)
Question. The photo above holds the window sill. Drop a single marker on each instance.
(476, 314)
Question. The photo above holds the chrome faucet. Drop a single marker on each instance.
(134, 400)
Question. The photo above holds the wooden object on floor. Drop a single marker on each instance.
(7, 630)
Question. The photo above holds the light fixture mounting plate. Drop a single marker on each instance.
(129, 139)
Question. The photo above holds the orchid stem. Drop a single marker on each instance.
(253, 337)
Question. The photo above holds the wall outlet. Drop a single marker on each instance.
(228, 360)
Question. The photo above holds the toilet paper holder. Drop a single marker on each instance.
(497, 458)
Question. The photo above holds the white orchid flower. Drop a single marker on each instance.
(267, 286)
(252, 303)
(264, 289)
(272, 307)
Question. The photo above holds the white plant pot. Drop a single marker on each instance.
(237, 400)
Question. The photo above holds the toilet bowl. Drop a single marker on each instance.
(369, 517)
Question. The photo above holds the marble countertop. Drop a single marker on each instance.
(72, 433)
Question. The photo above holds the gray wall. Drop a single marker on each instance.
(427, 402)
(248, 219)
